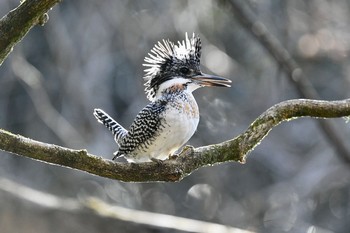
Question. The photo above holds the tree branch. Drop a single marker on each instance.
(15, 25)
(189, 160)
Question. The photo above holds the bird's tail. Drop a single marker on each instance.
(117, 130)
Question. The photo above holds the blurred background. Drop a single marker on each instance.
(90, 54)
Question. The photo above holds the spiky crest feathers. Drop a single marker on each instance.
(165, 57)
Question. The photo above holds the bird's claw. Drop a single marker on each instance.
(158, 161)
(173, 156)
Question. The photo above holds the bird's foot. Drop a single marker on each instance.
(158, 161)
(173, 156)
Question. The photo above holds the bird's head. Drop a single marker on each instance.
(177, 64)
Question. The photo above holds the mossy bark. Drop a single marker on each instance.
(16, 24)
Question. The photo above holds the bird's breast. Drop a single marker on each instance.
(181, 119)
(184, 105)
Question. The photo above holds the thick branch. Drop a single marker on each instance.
(15, 25)
(190, 159)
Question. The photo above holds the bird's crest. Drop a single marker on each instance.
(165, 57)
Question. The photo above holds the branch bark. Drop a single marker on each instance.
(16, 24)
(189, 160)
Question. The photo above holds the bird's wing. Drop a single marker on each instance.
(144, 128)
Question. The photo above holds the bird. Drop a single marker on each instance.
(171, 118)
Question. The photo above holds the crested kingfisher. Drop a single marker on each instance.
(171, 118)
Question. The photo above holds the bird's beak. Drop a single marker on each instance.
(211, 80)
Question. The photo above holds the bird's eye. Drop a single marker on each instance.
(184, 70)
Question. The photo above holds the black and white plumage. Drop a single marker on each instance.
(166, 59)
(172, 117)
(117, 130)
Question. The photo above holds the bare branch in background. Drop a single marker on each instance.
(16, 24)
(102, 209)
(153, 219)
(190, 159)
(31, 79)
(282, 57)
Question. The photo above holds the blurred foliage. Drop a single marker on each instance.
(90, 54)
